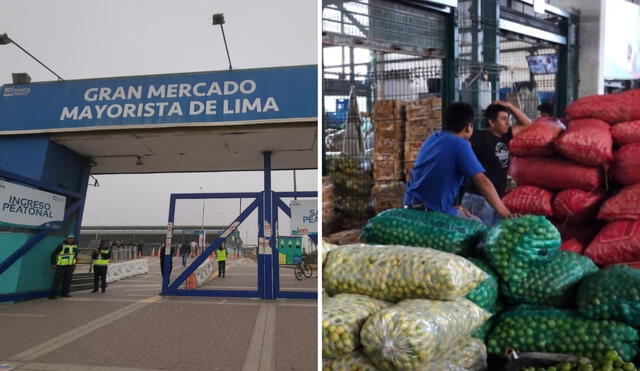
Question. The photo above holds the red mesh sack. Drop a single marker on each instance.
(573, 245)
(552, 173)
(624, 205)
(586, 141)
(617, 242)
(529, 200)
(612, 108)
(536, 140)
(627, 164)
(585, 233)
(626, 133)
(577, 206)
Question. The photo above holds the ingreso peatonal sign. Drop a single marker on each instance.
(304, 216)
(30, 208)
(212, 98)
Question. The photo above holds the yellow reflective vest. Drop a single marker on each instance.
(67, 256)
(222, 254)
(102, 258)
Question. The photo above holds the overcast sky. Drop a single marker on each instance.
(82, 39)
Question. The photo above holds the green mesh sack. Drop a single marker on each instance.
(355, 361)
(486, 293)
(483, 331)
(548, 330)
(342, 318)
(395, 273)
(613, 294)
(553, 283)
(514, 246)
(425, 229)
(415, 332)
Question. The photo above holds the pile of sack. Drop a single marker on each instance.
(586, 179)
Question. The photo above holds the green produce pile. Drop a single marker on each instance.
(486, 293)
(415, 332)
(342, 318)
(395, 273)
(469, 353)
(355, 361)
(428, 229)
(553, 283)
(612, 294)
(353, 180)
(326, 248)
(547, 330)
(514, 246)
(610, 362)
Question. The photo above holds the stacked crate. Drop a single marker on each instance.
(388, 124)
(424, 117)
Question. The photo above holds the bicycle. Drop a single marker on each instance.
(302, 269)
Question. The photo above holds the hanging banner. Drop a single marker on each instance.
(30, 208)
(208, 98)
(304, 216)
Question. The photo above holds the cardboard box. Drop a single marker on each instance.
(388, 109)
(387, 195)
(384, 145)
(387, 166)
(408, 169)
(394, 125)
(411, 150)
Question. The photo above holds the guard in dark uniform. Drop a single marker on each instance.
(63, 260)
(100, 265)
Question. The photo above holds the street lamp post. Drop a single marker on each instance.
(218, 19)
(5, 39)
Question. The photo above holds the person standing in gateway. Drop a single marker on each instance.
(63, 260)
(100, 265)
(221, 254)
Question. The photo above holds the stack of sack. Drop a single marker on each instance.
(585, 179)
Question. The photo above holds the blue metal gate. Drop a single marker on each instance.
(268, 273)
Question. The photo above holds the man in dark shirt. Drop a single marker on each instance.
(491, 146)
(443, 162)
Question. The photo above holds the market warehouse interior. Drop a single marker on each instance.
(498, 232)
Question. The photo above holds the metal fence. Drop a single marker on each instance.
(517, 82)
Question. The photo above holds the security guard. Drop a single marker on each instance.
(100, 264)
(63, 260)
(222, 260)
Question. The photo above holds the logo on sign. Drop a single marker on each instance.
(14, 92)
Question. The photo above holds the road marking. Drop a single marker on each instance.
(26, 366)
(21, 315)
(75, 334)
(261, 353)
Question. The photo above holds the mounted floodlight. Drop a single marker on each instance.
(218, 19)
(5, 40)
(20, 78)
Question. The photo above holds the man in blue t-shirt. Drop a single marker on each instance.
(443, 162)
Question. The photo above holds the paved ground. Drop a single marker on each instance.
(131, 327)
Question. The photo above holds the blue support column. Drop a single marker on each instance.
(275, 258)
(260, 237)
(83, 190)
(268, 213)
